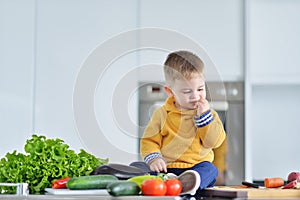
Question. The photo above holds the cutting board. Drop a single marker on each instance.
(241, 192)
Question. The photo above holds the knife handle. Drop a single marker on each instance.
(254, 185)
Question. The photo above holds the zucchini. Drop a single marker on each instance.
(123, 188)
(140, 179)
(91, 182)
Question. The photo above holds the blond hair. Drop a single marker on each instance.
(182, 64)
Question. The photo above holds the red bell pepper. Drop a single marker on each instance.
(61, 183)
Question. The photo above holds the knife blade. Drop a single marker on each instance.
(249, 184)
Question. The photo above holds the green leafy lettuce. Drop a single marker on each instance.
(45, 160)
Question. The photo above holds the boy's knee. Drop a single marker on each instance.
(206, 169)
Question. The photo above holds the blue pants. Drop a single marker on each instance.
(207, 171)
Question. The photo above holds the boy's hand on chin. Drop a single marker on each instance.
(202, 107)
(158, 165)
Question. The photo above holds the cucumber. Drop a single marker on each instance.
(123, 188)
(91, 182)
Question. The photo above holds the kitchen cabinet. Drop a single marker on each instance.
(44, 45)
(216, 26)
(274, 45)
(274, 132)
(65, 42)
(272, 88)
(16, 73)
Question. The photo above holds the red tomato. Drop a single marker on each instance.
(154, 187)
(174, 187)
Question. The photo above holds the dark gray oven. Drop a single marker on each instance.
(227, 98)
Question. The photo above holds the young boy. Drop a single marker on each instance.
(182, 133)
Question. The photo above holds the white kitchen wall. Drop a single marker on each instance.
(45, 44)
(65, 40)
(216, 26)
(274, 43)
(16, 73)
(273, 88)
(275, 130)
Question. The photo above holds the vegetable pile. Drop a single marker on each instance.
(45, 161)
(293, 182)
(161, 185)
(148, 185)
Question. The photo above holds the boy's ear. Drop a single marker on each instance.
(168, 91)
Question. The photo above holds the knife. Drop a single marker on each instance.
(254, 185)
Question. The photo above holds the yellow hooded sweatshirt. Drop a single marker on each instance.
(172, 134)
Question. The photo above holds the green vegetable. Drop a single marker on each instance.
(91, 182)
(140, 179)
(45, 160)
(123, 188)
